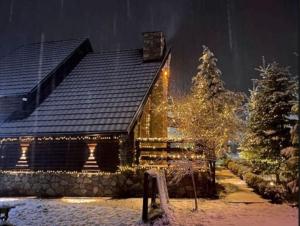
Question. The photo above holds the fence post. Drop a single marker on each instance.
(165, 184)
(153, 193)
(214, 174)
(145, 197)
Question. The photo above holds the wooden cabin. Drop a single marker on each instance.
(65, 107)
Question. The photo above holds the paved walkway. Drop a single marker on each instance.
(238, 206)
(236, 190)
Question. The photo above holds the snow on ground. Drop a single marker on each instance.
(121, 212)
(221, 213)
(72, 211)
(238, 206)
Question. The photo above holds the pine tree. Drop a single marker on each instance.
(269, 124)
(208, 78)
(291, 155)
(291, 163)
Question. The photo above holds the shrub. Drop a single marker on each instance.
(233, 167)
(261, 186)
(253, 180)
(226, 161)
(293, 191)
(238, 169)
(242, 171)
(275, 193)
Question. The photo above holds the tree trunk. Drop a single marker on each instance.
(195, 191)
(277, 178)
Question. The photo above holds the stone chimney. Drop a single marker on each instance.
(154, 46)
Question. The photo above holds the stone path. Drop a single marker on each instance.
(236, 190)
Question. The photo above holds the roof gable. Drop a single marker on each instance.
(28, 65)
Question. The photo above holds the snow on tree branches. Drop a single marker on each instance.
(270, 121)
(209, 113)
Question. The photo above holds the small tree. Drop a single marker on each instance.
(186, 167)
(209, 113)
(269, 123)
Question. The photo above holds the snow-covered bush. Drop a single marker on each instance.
(253, 180)
(269, 190)
(277, 193)
(238, 169)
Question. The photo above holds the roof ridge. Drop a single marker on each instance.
(34, 43)
(118, 50)
(58, 40)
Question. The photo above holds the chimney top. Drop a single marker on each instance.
(154, 46)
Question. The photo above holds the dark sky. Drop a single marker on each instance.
(239, 32)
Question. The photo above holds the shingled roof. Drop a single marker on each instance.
(102, 94)
(28, 65)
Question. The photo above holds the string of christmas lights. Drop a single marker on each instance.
(175, 156)
(59, 138)
(165, 139)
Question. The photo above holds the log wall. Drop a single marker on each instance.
(60, 155)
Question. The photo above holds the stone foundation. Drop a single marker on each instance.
(120, 184)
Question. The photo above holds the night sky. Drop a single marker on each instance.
(238, 32)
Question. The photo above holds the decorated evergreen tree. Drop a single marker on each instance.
(215, 116)
(209, 113)
(269, 123)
